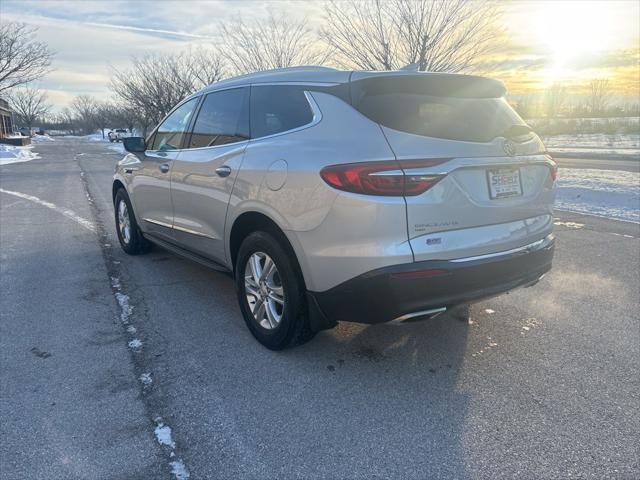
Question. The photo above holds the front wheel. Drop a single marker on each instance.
(271, 293)
(129, 234)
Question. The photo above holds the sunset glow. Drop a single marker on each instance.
(544, 42)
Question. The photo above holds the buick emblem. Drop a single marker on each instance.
(509, 147)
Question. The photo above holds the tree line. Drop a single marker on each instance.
(420, 35)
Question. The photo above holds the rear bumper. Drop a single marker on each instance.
(401, 291)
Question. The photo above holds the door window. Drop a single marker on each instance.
(223, 119)
(278, 108)
(171, 132)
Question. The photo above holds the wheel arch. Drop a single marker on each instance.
(252, 221)
(117, 185)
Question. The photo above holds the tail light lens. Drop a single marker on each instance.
(553, 166)
(384, 178)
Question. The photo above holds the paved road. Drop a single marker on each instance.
(541, 383)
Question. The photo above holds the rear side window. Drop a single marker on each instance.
(278, 108)
(172, 130)
(222, 119)
(470, 112)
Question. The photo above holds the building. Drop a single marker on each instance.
(6, 123)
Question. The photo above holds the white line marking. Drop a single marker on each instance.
(89, 225)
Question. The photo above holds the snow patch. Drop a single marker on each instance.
(605, 193)
(575, 225)
(11, 154)
(163, 434)
(489, 311)
(42, 138)
(146, 379)
(179, 470)
(530, 324)
(117, 147)
(131, 329)
(490, 344)
(125, 308)
(135, 344)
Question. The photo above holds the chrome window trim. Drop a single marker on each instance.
(317, 118)
(215, 146)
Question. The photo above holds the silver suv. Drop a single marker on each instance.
(337, 195)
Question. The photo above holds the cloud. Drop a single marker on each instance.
(168, 33)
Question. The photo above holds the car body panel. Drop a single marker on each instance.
(151, 189)
(200, 197)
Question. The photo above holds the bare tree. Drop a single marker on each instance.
(599, 95)
(275, 42)
(554, 99)
(156, 83)
(67, 120)
(22, 58)
(85, 109)
(30, 104)
(436, 36)
(525, 105)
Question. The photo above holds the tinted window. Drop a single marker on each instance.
(464, 111)
(223, 118)
(171, 132)
(278, 108)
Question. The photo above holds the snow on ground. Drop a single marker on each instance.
(594, 140)
(42, 138)
(117, 147)
(595, 144)
(606, 193)
(11, 154)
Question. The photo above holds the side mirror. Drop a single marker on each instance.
(134, 144)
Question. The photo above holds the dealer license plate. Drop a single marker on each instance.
(504, 182)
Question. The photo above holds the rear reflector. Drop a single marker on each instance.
(384, 178)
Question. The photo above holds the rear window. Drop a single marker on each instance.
(466, 109)
(277, 109)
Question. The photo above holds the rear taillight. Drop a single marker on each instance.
(386, 178)
(554, 171)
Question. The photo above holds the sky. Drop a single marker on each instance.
(545, 41)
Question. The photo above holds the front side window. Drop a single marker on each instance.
(278, 108)
(223, 119)
(171, 132)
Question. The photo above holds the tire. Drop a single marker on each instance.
(285, 284)
(131, 241)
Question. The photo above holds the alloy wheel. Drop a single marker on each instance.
(264, 290)
(124, 223)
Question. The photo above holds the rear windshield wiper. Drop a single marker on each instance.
(516, 131)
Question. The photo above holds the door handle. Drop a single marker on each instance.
(223, 171)
(164, 168)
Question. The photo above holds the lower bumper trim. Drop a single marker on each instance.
(393, 293)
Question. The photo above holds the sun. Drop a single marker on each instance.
(571, 30)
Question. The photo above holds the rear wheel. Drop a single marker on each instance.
(129, 234)
(271, 293)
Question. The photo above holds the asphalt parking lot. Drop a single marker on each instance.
(118, 367)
